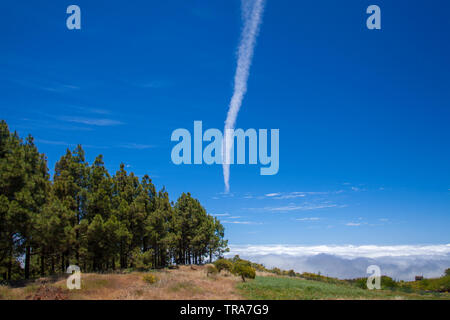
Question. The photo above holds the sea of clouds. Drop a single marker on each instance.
(401, 262)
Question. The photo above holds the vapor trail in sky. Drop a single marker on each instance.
(252, 11)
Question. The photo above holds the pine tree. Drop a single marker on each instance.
(89, 218)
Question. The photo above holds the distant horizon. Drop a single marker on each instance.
(401, 262)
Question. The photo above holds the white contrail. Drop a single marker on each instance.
(252, 16)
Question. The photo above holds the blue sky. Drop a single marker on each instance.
(363, 115)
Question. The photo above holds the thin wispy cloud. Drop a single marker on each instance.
(68, 144)
(297, 194)
(252, 11)
(272, 194)
(353, 224)
(136, 146)
(91, 121)
(156, 84)
(50, 142)
(61, 88)
(302, 207)
(240, 222)
(46, 85)
(92, 110)
(31, 124)
(292, 195)
(308, 219)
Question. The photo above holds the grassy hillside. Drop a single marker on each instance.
(193, 283)
(287, 288)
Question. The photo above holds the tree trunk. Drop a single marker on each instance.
(10, 263)
(53, 264)
(27, 262)
(42, 265)
(62, 263)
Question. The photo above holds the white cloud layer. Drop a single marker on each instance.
(401, 262)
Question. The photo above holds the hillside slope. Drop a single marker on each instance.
(192, 283)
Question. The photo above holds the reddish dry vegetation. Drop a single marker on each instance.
(183, 283)
(45, 292)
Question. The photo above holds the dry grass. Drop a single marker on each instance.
(193, 283)
(177, 284)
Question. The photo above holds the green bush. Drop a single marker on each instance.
(277, 271)
(359, 282)
(259, 267)
(142, 260)
(441, 284)
(150, 278)
(244, 269)
(291, 273)
(447, 272)
(223, 264)
(388, 283)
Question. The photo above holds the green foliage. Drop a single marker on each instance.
(88, 217)
(150, 278)
(276, 271)
(142, 260)
(441, 284)
(318, 277)
(291, 273)
(386, 283)
(223, 264)
(447, 272)
(259, 267)
(359, 282)
(244, 269)
(284, 288)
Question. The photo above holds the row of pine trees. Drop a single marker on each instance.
(86, 217)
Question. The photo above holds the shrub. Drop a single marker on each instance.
(244, 269)
(360, 282)
(149, 278)
(291, 273)
(447, 272)
(388, 283)
(223, 264)
(142, 260)
(211, 269)
(259, 267)
(276, 271)
(236, 258)
(441, 284)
